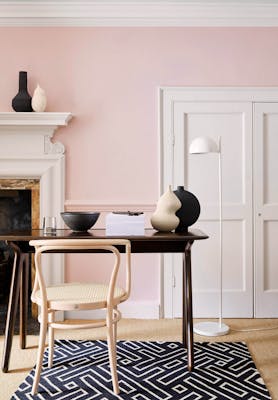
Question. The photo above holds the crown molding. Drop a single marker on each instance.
(139, 13)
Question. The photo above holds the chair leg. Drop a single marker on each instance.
(50, 340)
(112, 354)
(43, 330)
(115, 325)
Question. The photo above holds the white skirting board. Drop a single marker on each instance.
(130, 309)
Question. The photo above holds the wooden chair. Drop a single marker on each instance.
(79, 296)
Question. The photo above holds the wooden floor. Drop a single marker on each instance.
(261, 341)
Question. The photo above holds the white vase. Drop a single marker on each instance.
(164, 218)
(39, 99)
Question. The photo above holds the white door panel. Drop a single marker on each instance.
(266, 208)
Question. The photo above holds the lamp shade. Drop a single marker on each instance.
(202, 145)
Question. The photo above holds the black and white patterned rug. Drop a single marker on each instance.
(147, 371)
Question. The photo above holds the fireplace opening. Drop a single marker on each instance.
(15, 214)
(15, 209)
(19, 210)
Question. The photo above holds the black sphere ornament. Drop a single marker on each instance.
(22, 101)
(189, 211)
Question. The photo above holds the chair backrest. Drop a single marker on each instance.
(79, 246)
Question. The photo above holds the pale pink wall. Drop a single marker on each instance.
(108, 78)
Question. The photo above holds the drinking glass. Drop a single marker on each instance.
(49, 225)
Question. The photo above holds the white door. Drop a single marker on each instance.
(266, 208)
(199, 174)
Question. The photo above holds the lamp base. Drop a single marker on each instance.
(211, 329)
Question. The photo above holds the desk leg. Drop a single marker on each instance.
(12, 307)
(187, 308)
(24, 300)
(184, 304)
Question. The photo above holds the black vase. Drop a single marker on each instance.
(22, 101)
(189, 211)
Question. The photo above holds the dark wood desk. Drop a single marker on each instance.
(150, 242)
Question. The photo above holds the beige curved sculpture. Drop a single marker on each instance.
(164, 218)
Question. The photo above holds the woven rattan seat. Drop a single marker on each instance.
(79, 296)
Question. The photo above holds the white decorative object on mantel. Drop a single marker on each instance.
(39, 99)
(31, 132)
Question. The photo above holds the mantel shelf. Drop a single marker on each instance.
(34, 118)
(31, 132)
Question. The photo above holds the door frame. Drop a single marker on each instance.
(168, 97)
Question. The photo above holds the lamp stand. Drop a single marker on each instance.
(211, 329)
(216, 328)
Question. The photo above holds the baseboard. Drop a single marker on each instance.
(131, 309)
(140, 309)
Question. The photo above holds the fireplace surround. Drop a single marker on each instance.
(28, 154)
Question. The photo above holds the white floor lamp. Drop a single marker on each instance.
(204, 145)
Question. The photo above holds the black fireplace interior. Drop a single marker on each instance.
(15, 214)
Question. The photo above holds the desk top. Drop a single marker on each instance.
(150, 234)
(151, 242)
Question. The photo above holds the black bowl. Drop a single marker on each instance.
(80, 221)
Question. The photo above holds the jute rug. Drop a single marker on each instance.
(147, 371)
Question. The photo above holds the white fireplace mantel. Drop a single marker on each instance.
(26, 151)
(30, 132)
